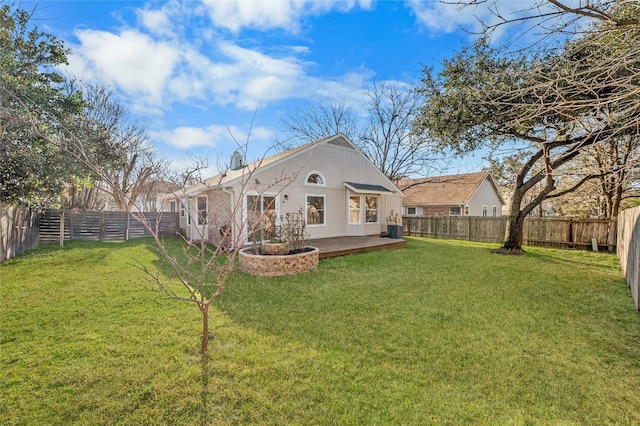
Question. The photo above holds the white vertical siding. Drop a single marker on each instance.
(484, 196)
(337, 165)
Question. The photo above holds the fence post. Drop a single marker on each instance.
(61, 229)
(570, 233)
(101, 226)
(611, 236)
(126, 226)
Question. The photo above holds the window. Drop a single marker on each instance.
(202, 210)
(181, 210)
(371, 214)
(261, 216)
(411, 211)
(315, 178)
(455, 211)
(484, 211)
(315, 210)
(495, 211)
(173, 206)
(354, 210)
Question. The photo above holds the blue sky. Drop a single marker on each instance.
(195, 70)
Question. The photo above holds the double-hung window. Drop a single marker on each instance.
(371, 213)
(315, 210)
(354, 210)
(202, 210)
(261, 216)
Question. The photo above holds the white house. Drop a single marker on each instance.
(471, 194)
(335, 187)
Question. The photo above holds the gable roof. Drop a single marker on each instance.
(230, 177)
(444, 190)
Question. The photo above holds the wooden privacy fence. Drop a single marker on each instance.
(104, 225)
(18, 230)
(629, 250)
(548, 232)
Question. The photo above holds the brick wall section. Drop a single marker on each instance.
(435, 210)
(277, 265)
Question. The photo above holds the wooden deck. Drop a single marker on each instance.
(342, 246)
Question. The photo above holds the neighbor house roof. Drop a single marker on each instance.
(444, 190)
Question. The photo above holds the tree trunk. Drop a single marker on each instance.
(204, 308)
(515, 224)
(513, 234)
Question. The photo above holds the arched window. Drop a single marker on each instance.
(315, 178)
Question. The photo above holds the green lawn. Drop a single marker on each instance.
(441, 332)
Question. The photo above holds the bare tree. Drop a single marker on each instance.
(385, 136)
(317, 121)
(543, 20)
(84, 194)
(209, 257)
(388, 139)
(611, 170)
(138, 165)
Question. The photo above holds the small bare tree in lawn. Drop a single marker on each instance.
(52, 118)
(205, 267)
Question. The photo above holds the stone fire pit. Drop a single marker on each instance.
(280, 264)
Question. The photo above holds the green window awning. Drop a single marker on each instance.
(365, 188)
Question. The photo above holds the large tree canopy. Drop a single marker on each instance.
(556, 105)
(31, 97)
(61, 140)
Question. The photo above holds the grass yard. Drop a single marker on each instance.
(442, 332)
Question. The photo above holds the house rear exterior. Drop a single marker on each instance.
(471, 194)
(334, 187)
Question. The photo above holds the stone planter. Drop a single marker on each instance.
(275, 248)
(276, 265)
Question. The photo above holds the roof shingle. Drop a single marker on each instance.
(441, 190)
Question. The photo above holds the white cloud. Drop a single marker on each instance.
(156, 21)
(162, 64)
(133, 61)
(154, 74)
(173, 57)
(210, 136)
(190, 137)
(268, 14)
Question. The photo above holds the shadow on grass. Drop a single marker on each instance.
(45, 248)
(579, 258)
